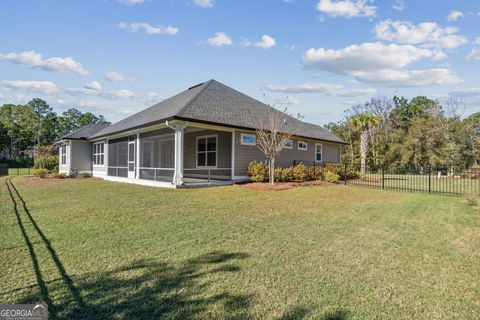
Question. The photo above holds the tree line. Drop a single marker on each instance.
(25, 127)
(416, 133)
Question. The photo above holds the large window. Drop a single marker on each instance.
(63, 155)
(98, 154)
(318, 152)
(207, 151)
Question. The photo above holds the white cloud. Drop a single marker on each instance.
(318, 87)
(477, 41)
(32, 59)
(398, 5)
(94, 85)
(289, 1)
(463, 93)
(346, 8)
(220, 39)
(203, 3)
(408, 78)
(379, 63)
(114, 76)
(454, 15)
(428, 34)
(366, 56)
(93, 90)
(474, 55)
(267, 42)
(131, 2)
(149, 29)
(47, 87)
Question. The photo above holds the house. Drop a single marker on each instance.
(204, 134)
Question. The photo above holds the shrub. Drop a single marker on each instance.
(331, 176)
(284, 174)
(300, 172)
(57, 175)
(473, 199)
(73, 173)
(85, 175)
(257, 171)
(41, 173)
(50, 163)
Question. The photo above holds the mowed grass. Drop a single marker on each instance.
(94, 249)
(19, 171)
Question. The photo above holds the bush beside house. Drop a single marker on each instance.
(258, 172)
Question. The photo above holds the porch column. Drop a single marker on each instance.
(179, 142)
(137, 157)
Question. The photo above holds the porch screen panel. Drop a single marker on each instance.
(157, 154)
(118, 157)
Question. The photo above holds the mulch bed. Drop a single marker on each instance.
(279, 186)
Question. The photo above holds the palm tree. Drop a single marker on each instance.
(363, 123)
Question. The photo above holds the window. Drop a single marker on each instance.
(302, 145)
(318, 152)
(288, 144)
(63, 155)
(98, 153)
(248, 139)
(207, 151)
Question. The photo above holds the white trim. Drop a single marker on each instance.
(142, 182)
(321, 152)
(206, 151)
(305, 143)
(131, 174)
(285, 147)
(137, 157)
(241, 178)
(248, 134)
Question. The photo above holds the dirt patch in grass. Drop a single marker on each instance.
(35, 181)
(279, 186)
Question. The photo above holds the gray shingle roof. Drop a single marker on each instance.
(85, 132)
(215, 103)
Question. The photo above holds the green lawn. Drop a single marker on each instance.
(19, 171)
(100, 250)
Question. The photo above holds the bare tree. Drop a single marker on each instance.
(271, 134)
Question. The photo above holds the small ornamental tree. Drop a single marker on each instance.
(271, 133)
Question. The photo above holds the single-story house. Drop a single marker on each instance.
(204, 134)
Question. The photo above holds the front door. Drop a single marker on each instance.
(131, 159)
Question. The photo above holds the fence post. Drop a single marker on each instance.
(383, 177)
(430, 180)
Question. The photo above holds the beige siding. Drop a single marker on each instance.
(245, 154)
(224, 148)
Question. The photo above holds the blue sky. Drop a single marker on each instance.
(116, 57)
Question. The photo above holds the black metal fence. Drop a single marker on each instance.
(3, 170)
(433, 180)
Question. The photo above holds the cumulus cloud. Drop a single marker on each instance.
(34, 60)
(379, 63)
(94, 85)
(267, 42)
(114, 76)
(346, 8)
(318, 87)
(220, 39)
(203, 3)
(148, 28)
(428, 34)
(474, 55)
(398, 5)
(454, 15)
(47, 87)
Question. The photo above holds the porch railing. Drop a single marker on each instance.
(156, 172)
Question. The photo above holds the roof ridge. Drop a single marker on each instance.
(195, 97)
